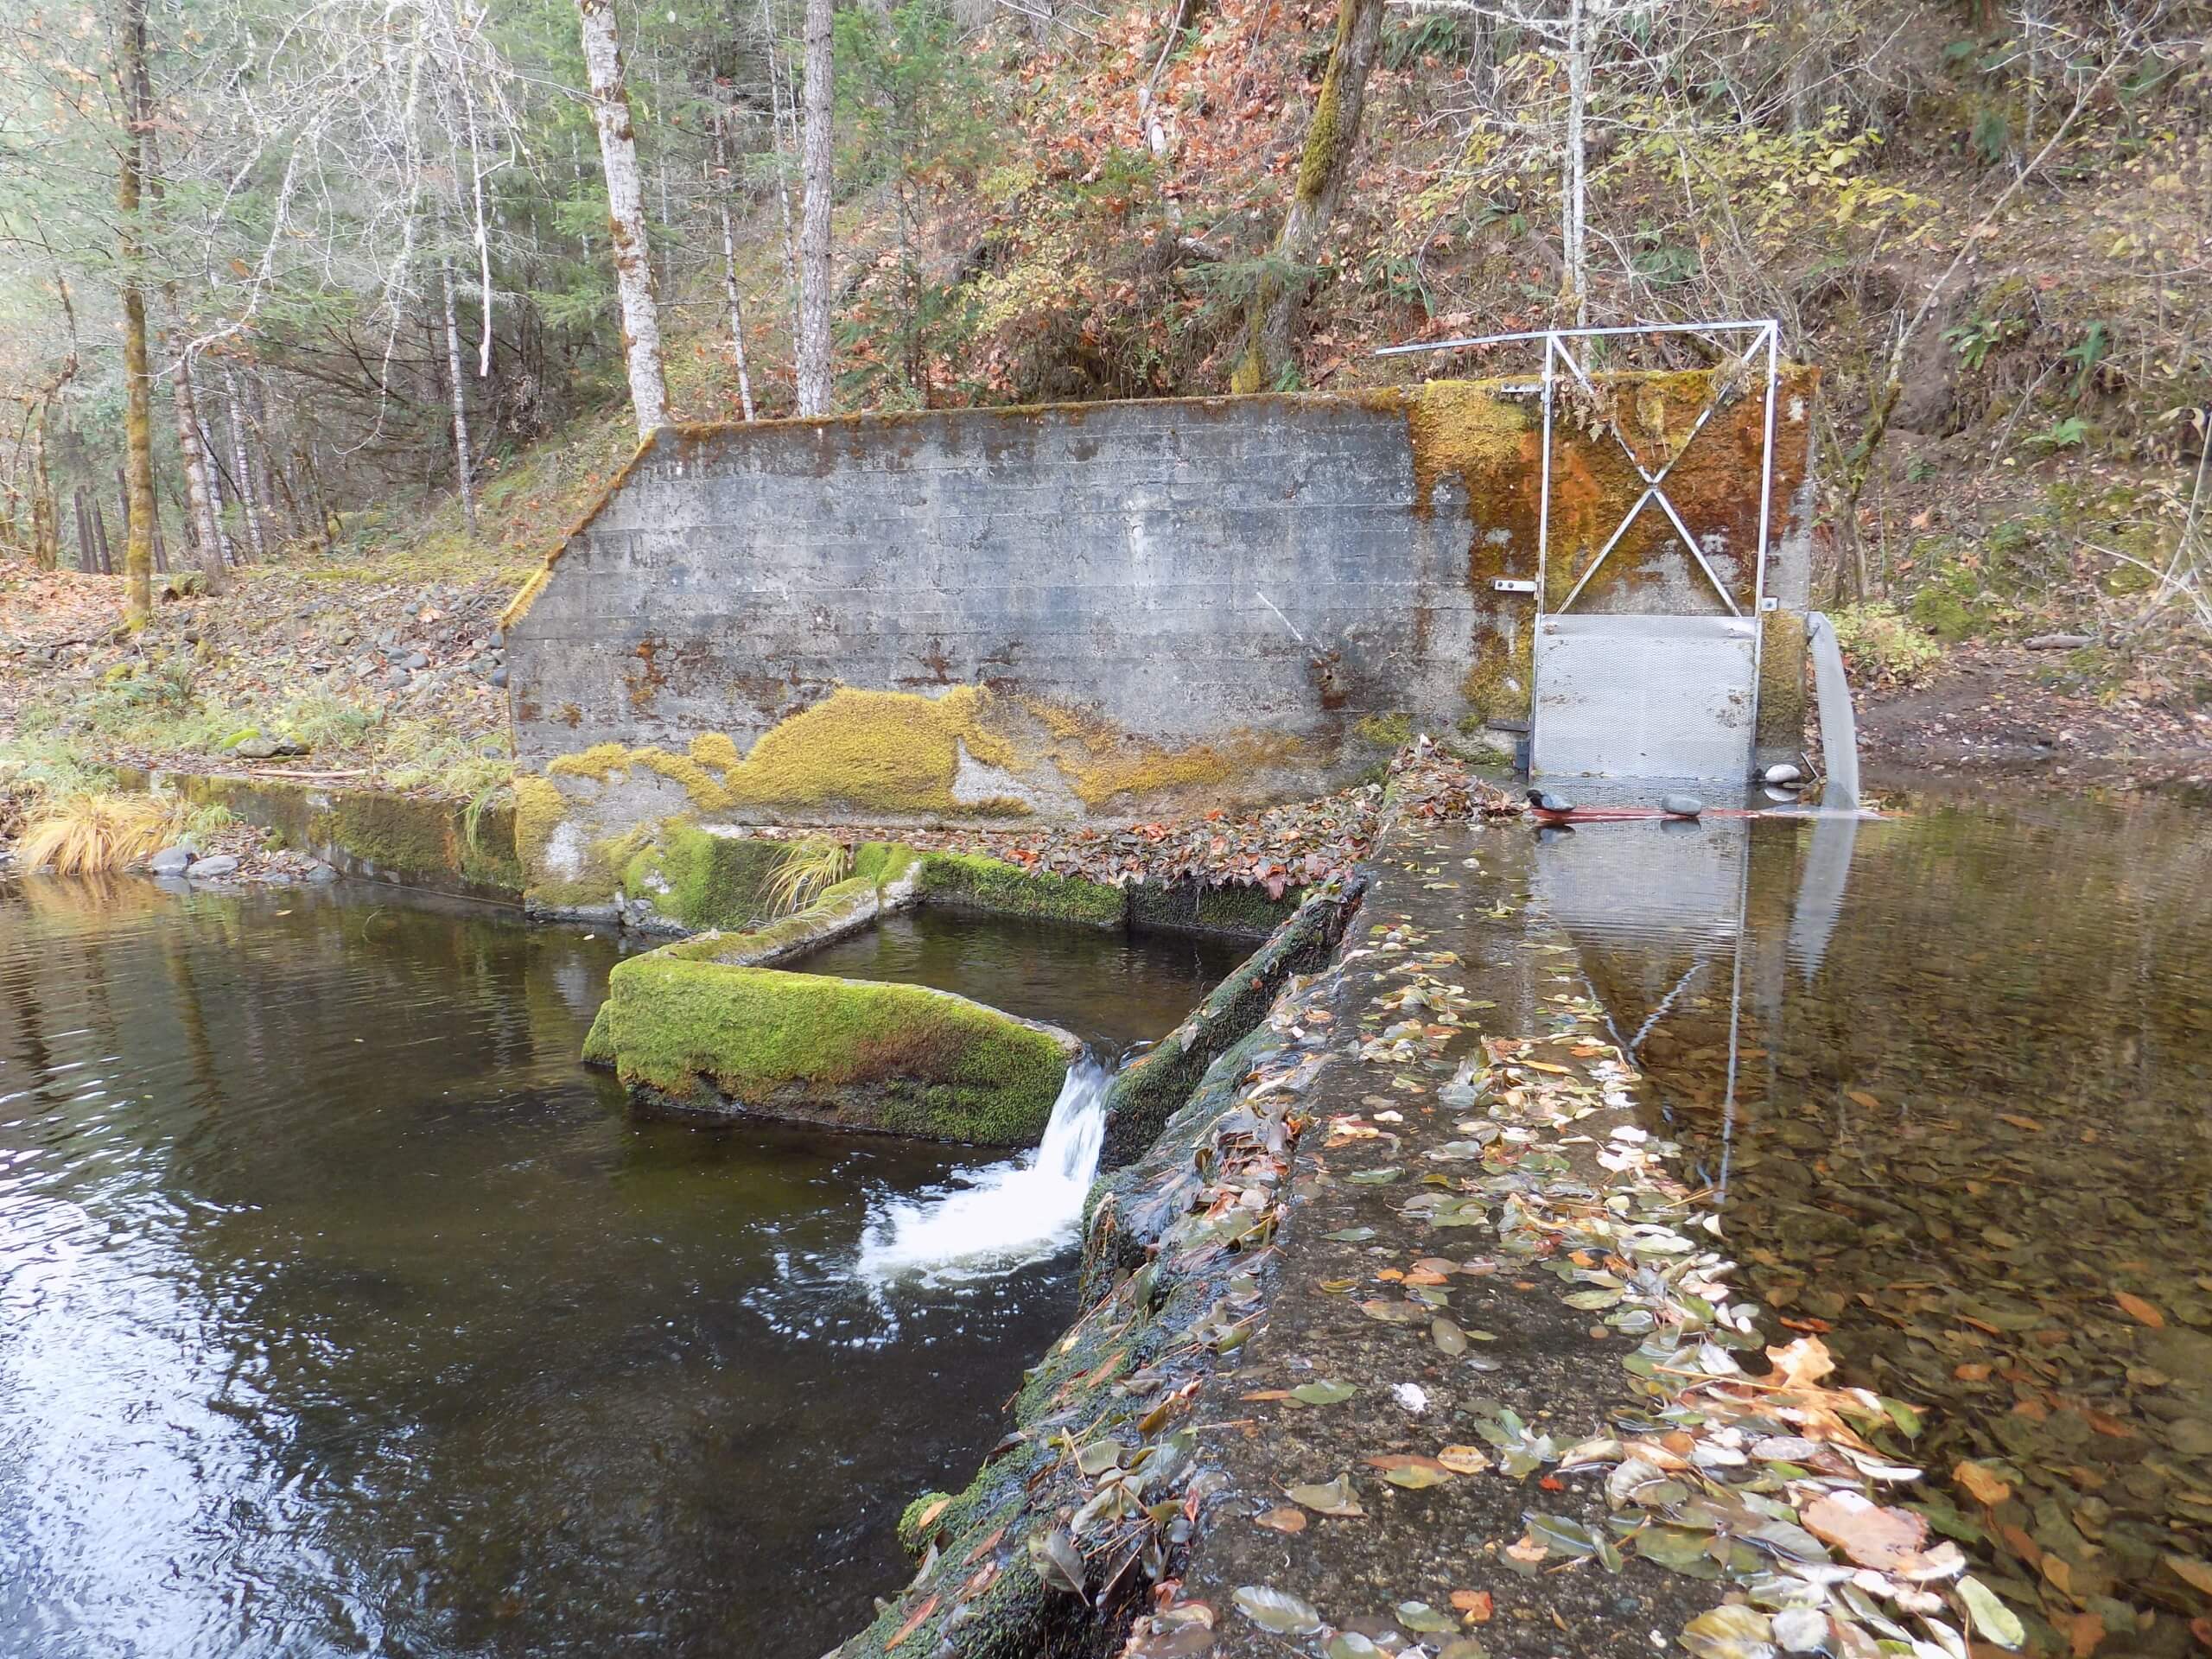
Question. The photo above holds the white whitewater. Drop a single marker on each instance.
(1001, 1217)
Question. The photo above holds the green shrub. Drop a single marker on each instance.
(1881, 646)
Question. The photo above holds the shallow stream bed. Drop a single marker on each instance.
(342, 1311)
(1951, 1076)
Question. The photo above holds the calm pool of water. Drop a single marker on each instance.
(342, 1311)
(1110, 989)
(1952, 1077)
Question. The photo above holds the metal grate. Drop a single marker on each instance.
(1644, 696)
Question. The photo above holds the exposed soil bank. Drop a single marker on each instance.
(1988, 712)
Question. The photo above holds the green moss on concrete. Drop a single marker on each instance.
(702, 1035)
(392, 832)
(1240, 911)
(883, 861)
(1386, 731)
(976, 883)
(702, 879)
(599, 1041)
(1144, 1095)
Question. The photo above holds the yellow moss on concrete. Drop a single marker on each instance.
(602, 761)
(518, 607)
(1466, 428)
(714, 749)
(539, 811)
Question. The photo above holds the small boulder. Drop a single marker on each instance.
(1784, 776)
(417, 660)
(1681, 806)
(497, 675)
(208, 869)
(170, 861)
(320, 873)
(396, 678)
(257, 748)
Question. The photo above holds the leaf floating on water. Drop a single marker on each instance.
(1056, 1561)
(1330, 1497)
(1556, 1532)
(1420, 1616)
(1463, 1647)
(1991, 1617)
(1277, 1610)
(1350, 1644)
(1463, 1460)
(1449, 1338)
(1329, 1392)
(1352, 1235)
(1730, 1632)
(1870, 1534)
(1284, 1519)
(1395, 1313)
(2137, 1308)
(1382, 1176)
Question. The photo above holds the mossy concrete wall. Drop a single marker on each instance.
(437, 846)
(1104, 610)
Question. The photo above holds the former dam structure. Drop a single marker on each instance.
(1117, 610)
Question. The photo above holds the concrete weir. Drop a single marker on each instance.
(1404, 1337)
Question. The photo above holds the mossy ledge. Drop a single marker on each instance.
(698, 1038)
(1144, 1095)
(966, 881)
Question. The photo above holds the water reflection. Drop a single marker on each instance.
(1950, 1076)
(342, 1311)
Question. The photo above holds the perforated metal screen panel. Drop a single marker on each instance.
(1644, 696)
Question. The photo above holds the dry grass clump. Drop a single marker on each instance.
(803, 874)
(82, 834)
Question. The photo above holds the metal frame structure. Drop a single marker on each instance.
(1560, 364)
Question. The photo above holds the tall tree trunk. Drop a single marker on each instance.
(462, 464)
(1330, 142)
(241, 478)
(137, 383)
(778, 114)
(814, 381)
(261, 452)
(625, 215)
(198, 504)
(46, 510)
(1574, 174)
(729, 262)
(211, 470)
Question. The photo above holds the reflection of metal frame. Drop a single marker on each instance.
(1765, 337)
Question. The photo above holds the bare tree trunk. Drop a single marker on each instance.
(1573, 215)
(1331, 139)
(462, 463)
(813, 376)
(778, 114)
(729, 263)
(261, 452)
(203, 444)
(138, 385)
(200, 509)
(625, 215)
(46, 510)
(241, 479)
(106, 553)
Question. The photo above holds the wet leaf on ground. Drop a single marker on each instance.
(1326, 1393)
(1284, 1519)
(1277, 1610)
(1056, 1561)
(1730, 1632)
(1429, 1621)
(1329, 1498)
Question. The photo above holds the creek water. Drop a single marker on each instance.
(1950, 1077)
(342, 1311)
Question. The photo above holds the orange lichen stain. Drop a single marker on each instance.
(1101, 762)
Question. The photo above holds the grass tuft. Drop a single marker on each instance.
(807, 872)
(81, 835)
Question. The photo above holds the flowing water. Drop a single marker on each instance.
(1951, 1077)
(1114, 990)
(342, 1311)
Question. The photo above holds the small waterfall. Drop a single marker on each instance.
(1002, 1216)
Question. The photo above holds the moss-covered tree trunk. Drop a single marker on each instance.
(1330, 142)
(138, 386)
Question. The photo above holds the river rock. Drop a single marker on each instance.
(208, 869)
(417, 660)
(497, 675)
(170, 861)
(1681, 806)
(319, 872)
(1784, 776)
(257, 748)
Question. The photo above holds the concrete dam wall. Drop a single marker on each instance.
(1108, 610)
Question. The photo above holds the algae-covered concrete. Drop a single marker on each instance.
(1101, 610)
